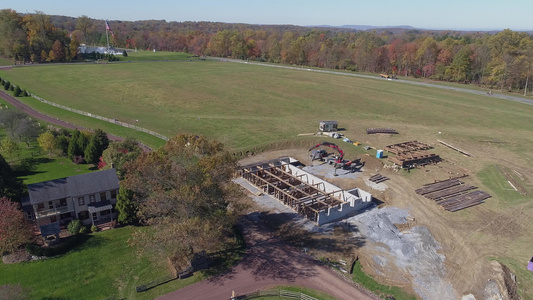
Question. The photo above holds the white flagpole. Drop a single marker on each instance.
(107, 36)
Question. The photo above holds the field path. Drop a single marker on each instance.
(35, 114)
(420, 83)
(270, 261)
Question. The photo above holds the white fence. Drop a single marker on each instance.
(113, 121)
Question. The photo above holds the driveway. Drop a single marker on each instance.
(270, 261)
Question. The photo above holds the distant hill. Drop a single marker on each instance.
(366, 27)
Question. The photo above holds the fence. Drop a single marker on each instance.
(277, 293)
(152, 284)
(113, 121)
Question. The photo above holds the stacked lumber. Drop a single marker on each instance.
(453, 194)
(378, 178)
(381, 130)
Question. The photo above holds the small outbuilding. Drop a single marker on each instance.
(327, 126)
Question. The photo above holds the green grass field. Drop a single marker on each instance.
(159, 55)
(5, 61)
(383, 291)
(104, 266)
(247, 106)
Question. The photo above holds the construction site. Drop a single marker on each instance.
(312, 197)
(403, 246)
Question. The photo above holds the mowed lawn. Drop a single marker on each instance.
(104, 266)
(246, 106)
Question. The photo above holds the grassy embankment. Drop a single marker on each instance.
(104, 266)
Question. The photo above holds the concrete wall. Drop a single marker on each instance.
(355, 199)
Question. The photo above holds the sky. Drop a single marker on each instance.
(427, 14)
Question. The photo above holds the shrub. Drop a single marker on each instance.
(74, 226)
(17, 92)
(94, 228)
(78, 159)
(83, 229)
(66, 245)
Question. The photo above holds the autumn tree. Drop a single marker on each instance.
(84, 24)
(47, 141)
(13, 42)
(11, 120)
(9, 149)
(58, 50)
(14, 230)
(121, 152)
(27, 130)
(73, 48)
(184, 193)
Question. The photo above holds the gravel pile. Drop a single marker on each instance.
(414, 251)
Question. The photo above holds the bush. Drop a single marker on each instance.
(78, 159)
(74, 227)
(67, 245)
(83, 229)
(17, 92)
(94, 228)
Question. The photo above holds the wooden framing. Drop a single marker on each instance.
(305, 198)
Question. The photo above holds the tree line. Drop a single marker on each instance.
(500, 60)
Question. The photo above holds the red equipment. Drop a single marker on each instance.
(339, 159)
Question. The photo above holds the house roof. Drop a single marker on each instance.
(73, 186)
(48, 190)
(94, 182)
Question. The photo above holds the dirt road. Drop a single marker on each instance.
(37, 115)
(268, 262)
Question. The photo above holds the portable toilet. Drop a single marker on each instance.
(379, 154)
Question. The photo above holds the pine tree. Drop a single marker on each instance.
(17, 92)
(126, 207)
(73, 148)
(91, 151)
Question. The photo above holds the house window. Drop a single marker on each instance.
(83, 215)
(40, 206)
(103, 196)
(28, 215)
(95, 216)
(81, 201)
(65, 216)
(113, 194)
(104, 212)
(50, 205)
(63, 202)
(92, 198)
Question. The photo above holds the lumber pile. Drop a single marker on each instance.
(378, 178)
(453, 194)
(381, 130)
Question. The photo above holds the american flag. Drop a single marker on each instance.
(108, 28)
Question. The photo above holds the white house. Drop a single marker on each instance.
(90, 197)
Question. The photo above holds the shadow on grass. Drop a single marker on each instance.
(78, 242)
(27, 166)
